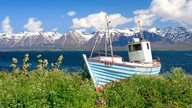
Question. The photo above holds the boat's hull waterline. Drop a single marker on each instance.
(103, 72)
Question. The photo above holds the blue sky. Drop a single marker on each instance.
(53, 13)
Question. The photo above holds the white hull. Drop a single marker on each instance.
(104, 71)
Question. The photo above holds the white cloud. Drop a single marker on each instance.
(71, 13)
(33, 25)
(6, 27)
(145, 17)
(54, 29)
(97, 21)
(166, 10)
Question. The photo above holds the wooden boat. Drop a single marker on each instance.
(106, 68)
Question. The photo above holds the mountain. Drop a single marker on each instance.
(160, 38)
(122, 37)
(72, 39)
(29, 39)
(179, 34)
(119, 37)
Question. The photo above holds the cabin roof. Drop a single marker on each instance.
(133, 43)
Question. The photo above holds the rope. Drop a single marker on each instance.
(94, 46)
(106, 45)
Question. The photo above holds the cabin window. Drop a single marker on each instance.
(130, 48)
(135, 47)
(147, 45)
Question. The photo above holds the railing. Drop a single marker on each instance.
(99, 54)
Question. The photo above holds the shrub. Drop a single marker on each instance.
(174, 90)
(52, 90)
(25, 65)
(58, 88)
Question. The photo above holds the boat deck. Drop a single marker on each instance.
(119, 61)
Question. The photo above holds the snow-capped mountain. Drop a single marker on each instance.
(73, 39)
(165, 37)
(29, 39)
(179, 34)
(154, 30)
(119, 37)
(77, 39)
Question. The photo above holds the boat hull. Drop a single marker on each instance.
(102, 73)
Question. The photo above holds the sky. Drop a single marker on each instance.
(64, 15)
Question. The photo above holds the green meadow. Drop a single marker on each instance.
(58, 88)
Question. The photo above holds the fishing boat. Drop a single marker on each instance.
(106, 68)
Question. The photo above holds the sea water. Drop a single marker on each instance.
(73, 60)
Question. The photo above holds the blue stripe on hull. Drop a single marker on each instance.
(132, 69)
(103, 74)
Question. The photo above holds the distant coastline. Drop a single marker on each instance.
(124, 48)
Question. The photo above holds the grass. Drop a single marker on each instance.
(58, 88)
(53, 89)
(174, 90)
(61, 89)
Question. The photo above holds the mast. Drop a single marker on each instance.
(106, 37)
(141, 32)
(109, 36)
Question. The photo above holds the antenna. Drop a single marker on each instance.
(109, 36)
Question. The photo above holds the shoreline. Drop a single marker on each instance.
(89, 49)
